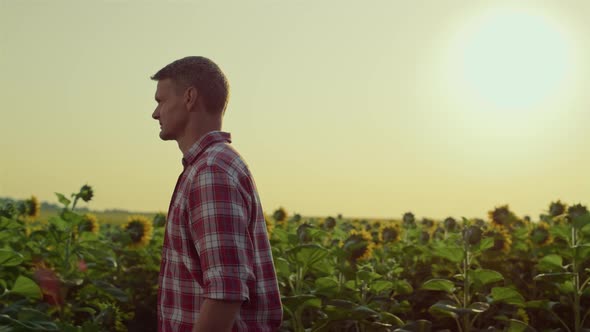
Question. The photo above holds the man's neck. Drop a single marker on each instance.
(185, 143)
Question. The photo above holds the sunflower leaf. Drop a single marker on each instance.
(561, 231)
(402, 287)
(581, 221)
(482, 277)
(551, 262)
(26, 287)
(381, 285)
(10, 258)
(454, 254)
(62, 199)
(507, 295)
(439, 285)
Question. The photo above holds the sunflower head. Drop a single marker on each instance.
(556, 208)
(408, 220)
(270, 226)
(502, 217)
(472, 235)
(376, 224)
(89, 224)
(450, 224)
(522, 315)
(296, 217)
(424, 237)
(112, 318)
(439, 233)
(390, 234)
(328, 223)
(479, 222)
(159, 219)
(358, 245)
(8, 210)
(303, 233)
(32, 207)
(427, 224)
(576, 211)
(280, 214)
(502, 239)
(86, 193)
(139, 229)
(540, 235)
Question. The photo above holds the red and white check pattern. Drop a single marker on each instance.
(216, 245)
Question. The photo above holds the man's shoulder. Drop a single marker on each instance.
(224, 156)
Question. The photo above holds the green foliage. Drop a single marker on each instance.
(422, 276)
(56, 276)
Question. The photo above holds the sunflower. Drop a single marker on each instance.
(89, 223)
(159, 219)
(424, 237)
(32, 207)
(450, 224)
(428, 225)
(576, 211)
(502, 239)
(502, 217)
(540, 235)
(409, 221)
(522, 223)
(557, 208)
(112, 317)
(522, 315)
(296, 217)
(390, 233)
(439, 233)
(328, 223)
(270, 226)
(139, 229)
(376, 224)
(472, 234)
(303, 233)
(280, 214)
(86, 193)
(478, 222)
(359, 245)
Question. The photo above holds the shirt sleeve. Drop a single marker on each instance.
(219, 229)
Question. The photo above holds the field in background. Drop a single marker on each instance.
(104, 217)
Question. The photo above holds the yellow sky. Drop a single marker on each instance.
(369, 109)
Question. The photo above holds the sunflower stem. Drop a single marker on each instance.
(576, 280)
(585, 316)
(459, 325)
(74, 204)
(466, 324)
(560, 320)
(67, 253)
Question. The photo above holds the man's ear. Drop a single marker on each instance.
(191, 98)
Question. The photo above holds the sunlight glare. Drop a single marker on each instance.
(510, 59)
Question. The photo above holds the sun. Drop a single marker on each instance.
(510, 59)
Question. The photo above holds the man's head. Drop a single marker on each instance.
(203, 75)
(192, 95)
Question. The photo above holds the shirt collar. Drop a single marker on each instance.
(202, 143)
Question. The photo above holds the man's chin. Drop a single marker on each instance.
(165, 137)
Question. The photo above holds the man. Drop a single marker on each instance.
(217, 271)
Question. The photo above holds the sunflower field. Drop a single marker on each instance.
(504, 273)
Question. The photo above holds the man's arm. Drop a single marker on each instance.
(219, 229)
(217, 316)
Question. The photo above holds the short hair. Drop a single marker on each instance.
(201, 73)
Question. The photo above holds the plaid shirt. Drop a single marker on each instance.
(216, 245)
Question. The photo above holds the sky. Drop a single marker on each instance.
(366, 109)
